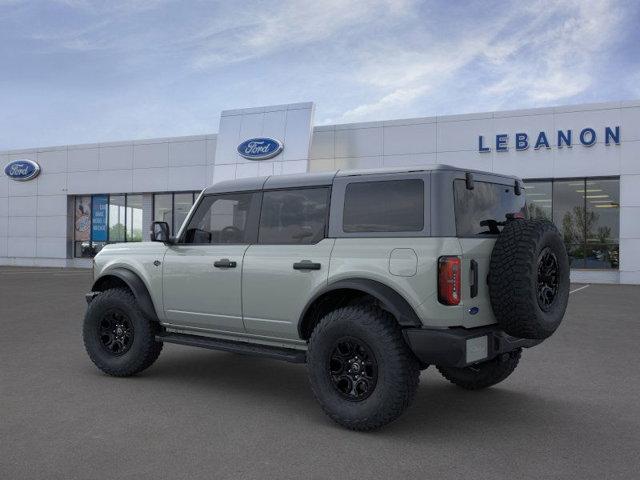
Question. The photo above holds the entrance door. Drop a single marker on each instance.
(203, 270)
(289, 262)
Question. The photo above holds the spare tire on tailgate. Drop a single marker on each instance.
(529, 278)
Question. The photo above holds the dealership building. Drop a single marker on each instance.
(581, 165)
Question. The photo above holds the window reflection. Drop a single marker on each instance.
(587, 214)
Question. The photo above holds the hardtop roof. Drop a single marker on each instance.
(326, 178)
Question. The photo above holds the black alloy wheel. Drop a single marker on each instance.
(116, 332)
(547, 278)
(353, 369)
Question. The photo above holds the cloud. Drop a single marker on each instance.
(541, 53)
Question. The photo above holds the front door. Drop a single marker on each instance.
(289, 262)
(202, 272)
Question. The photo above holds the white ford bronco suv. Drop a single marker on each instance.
(365, 276)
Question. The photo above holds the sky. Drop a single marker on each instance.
(80, 71)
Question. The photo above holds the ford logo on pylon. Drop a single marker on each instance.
(260, 148)
(22, 170)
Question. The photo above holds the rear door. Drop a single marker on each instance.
(480, 214)
(289, 262)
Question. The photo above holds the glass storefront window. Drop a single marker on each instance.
(163, 208)
(173, 208)
(134, 218)
(539, 199)
(117, 218)
(102, 219)
(587, 214)
(182, 203)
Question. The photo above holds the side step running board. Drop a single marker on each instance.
(278, 353)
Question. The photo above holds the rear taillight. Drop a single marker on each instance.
(449, 280)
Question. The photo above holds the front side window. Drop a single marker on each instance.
(384, 206)
(297, 216)
(222, 219)
(483, 210)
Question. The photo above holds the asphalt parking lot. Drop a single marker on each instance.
(571, 409)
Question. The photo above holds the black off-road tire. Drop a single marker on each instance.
(517, 266)
(398, 371)
(143, 349)
(483, 375)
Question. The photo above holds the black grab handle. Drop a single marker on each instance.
(306, 265)
(474, 279)
(224, 263)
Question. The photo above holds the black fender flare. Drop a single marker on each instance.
(389, 299)
(135, 284)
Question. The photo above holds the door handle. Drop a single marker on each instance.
(306, 265)
(474, 279)
(224, 263)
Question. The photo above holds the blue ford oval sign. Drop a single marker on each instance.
(260, 148)
(22, 170)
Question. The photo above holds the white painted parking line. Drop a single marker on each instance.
(580, 288)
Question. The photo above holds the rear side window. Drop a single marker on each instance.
(384, 206)
(297, 216)
(483, 210)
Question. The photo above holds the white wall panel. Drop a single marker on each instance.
(358, 163)
(151, 155)
(420, 138)
(467, 159)
(224, 172)
(409, 160)
(629, 157)
(3, 249)
(115, 181)
(322, 145)
(53, 161)
(22, 207)
(22, 189)
(188, 153)
(21, 246)
(274, 125)
(630, 254)
(630, 191)
(245, 170)
(187, 178)
(118, 157)
(630, 124)
(52, 226)
(51, 247)
(463, 135)
(83, 159)
(4, 206)
(358, 142)
(228, 139)
(629, 222)
(4, 226)
(84, 182)
(581, 161)
(296, 166)
(22, 227)
(52, 183)
(51, 205)
(150, 179)
(297, 135)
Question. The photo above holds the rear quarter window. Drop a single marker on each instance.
(384, 206)
(483, 210)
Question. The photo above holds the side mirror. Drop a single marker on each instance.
(159, 232)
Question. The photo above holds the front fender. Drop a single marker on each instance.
(135, 284)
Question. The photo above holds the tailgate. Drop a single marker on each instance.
(476, 255)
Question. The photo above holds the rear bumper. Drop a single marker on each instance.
(460, 347)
